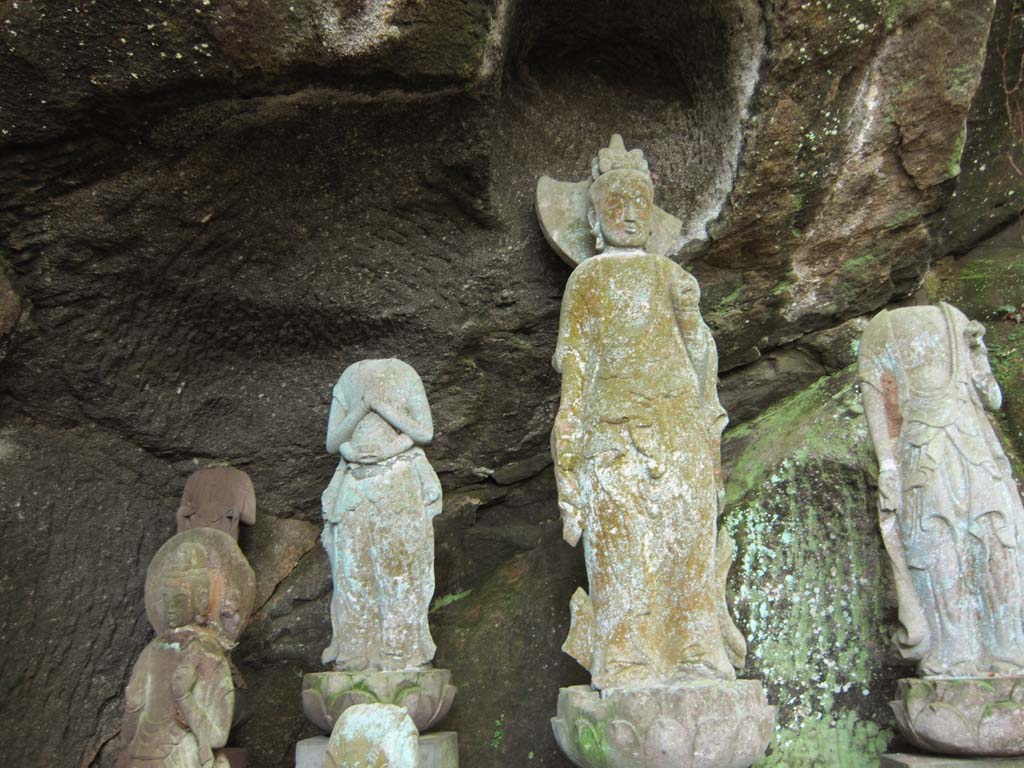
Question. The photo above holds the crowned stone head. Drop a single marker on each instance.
(621, 196)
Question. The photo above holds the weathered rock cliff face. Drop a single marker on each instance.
(208, 208)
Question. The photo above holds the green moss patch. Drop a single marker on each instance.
(808, 585)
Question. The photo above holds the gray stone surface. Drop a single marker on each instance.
(274, 548)
(439, 750)
(962, 716)
(425, 694)
(378, 514)
(950, 512)
(714, 723)
(309, 753)
(811, 586)
(990, 187)
(899, 760)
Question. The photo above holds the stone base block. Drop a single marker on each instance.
(699, 724)
(235, 756)
(940, 761)
(426, 694)
(309, 753)
(437, 750)
(981, 716)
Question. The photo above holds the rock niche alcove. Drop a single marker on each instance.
(676, 78)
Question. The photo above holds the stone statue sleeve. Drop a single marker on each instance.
(984, 382)
(248, 513)
(430, 486)
(878, 384)
(571, 325)
(336, 416)
(879, 392)
(570, 359)
(701, 350)
(209, 705)
(406, 408)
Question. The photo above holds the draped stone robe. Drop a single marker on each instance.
(378, 511)
(955, 538)
(637, 458)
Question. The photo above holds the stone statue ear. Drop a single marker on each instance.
(595, 228)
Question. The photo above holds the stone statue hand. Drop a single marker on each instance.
(182, 681)
(568, 487)
(889, 491)
(206, 758)
(988, 390)
(572, 523)
(365, 403)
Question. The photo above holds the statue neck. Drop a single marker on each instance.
(612, 250)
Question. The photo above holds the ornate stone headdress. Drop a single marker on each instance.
(562, 208)
(614, 157)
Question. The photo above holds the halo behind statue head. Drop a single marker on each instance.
(207, 565)
(562, 208)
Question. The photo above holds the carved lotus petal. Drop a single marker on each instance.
(426, 706)
(590, 744)
(669, 744)
(1002, 727)
(425, 694)
(941, 718)
(623, 739)
(656, 727)
(962, 716)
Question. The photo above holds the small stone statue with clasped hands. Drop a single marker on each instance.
(378, 532)
(378, 512)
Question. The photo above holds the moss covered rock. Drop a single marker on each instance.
(811, 581)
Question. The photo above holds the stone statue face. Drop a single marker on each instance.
(623, 205)
(200, 577)
(180, 608)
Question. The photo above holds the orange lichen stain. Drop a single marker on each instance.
(890, 398)
(473, 614)
(515, 571)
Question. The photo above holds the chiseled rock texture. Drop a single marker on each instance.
(208, 208)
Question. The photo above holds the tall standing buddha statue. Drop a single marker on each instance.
(636, 447)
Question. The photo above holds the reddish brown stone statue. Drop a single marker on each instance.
(952, 520)
(180, 700)
(218, 497)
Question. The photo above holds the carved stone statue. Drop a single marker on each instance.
(378, 532)
(217, 497)
(378, 512)
(636, 446)
(373, 736)
(180, 700)
(949, 510)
